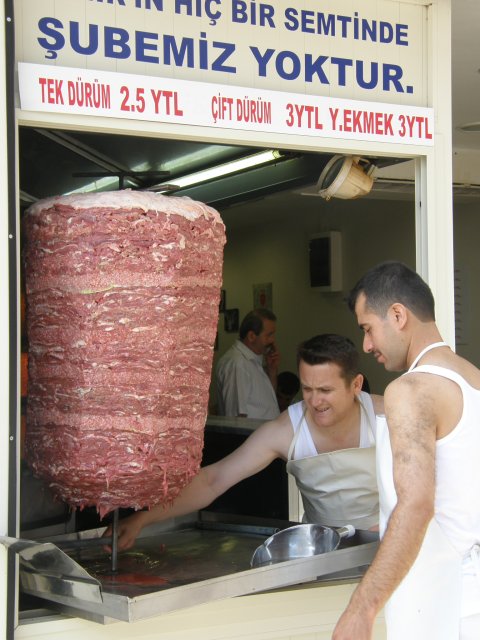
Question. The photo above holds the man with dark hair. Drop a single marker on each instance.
(327, 440)
(340, 350)
(427, 569)
(394, 282)
(246, 375)
(332, 454)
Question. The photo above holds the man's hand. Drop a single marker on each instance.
(128, 530)
(272, 360)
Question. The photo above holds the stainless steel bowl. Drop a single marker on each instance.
(299, 541)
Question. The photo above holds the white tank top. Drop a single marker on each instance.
(304, 445)
(457, 494)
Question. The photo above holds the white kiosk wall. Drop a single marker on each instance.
(223, 57)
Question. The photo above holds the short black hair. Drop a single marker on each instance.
(253, 321)
(288, 383)
(391, 282)
(331, 347)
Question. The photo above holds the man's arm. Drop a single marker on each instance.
(258, 450)
(410, 409)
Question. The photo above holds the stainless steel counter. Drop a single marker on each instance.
(173, 566)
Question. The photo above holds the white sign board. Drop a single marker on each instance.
(373, 51)
(86, 92)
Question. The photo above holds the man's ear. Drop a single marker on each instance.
(399, 314)
(357, 383)
(251, 337)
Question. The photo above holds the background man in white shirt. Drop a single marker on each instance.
(246, 375)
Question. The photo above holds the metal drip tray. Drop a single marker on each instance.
(172, 567)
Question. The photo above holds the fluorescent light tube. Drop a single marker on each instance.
(220, 170)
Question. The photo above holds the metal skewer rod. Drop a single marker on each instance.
(115, 541)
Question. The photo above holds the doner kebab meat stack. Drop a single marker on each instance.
(122, 296)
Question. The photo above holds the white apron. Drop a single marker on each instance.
(339, 487)
(427, 603)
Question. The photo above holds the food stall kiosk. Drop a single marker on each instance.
(323, 77)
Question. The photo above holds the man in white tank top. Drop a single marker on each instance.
(327, 439)
(427, 569)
